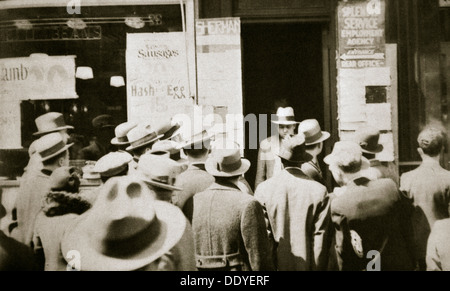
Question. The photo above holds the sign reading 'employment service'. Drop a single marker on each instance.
(362, 34)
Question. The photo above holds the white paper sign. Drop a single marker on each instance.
(157, 76)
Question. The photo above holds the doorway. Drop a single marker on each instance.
(282, 66)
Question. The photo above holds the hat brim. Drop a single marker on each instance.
(285, 122)
(41, 133)
(189, 144)
(173, 225)
(306, 158)
(378, 150)
(211, 168)
(115, 141)
(365, 163)
(130, 148)
(65, 148)
(324, 137)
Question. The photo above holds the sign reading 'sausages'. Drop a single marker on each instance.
(362, 34)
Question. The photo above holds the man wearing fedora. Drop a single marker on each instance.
(195, 179)
(114, 164)
(141, 138)
(367, 137)
(370, 216)
(160, 173)
(314, 139)
(54, 154)
(103, 128)
(300, 231)
(127, 229)
(428, 187)
(121, 140)
(268, 162)
(228, 224)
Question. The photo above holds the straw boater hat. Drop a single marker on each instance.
(121, 132)
(171, 147)
(227, 162)
(345, 154)
(285, 116)
(51, 145)
(125, 230)
(112, 164)
(160, 171)
(168, 130)
(141, 136)
(367, 137)
(50, 122)
(199, 140)
(293, 150)
(312, 131)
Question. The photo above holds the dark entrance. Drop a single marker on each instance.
(282, 66)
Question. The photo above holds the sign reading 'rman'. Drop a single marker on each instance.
(362, 33)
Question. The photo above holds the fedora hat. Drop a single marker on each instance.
(103, 121)
(51, 145)
(345, 154)
(312, 131)
(141, 136)
(126, 229)
(293, 150)
(65, 179)
(367, 137)
(112, 164)
(168, 130)
(50, 122)
(121, 132)
(160, 171)
(199, 140)
(285, 116)
(168, 146)
(226, 162)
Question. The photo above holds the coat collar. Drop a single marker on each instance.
(224, 186)
(197, 166)
(296, 172)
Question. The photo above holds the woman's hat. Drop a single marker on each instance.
(285, 116)
(65, 179)
(51, 145)
(312, 131)
(160, 171)
(226, 162)
(112, 164)
(367, 137)
(121, 132)
(293, 150)
(141, 136)
(50, 122)
(125, 230)
(347, 154)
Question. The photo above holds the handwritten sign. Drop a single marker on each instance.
(362, 34)
(157, 85)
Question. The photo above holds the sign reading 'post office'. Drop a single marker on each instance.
(362, 34)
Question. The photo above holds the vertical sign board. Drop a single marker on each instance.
(361, 29)
(219, 72)
(39, 77)
(157, 79)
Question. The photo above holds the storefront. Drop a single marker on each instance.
(282, 52)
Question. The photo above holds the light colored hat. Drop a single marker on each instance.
(112, 163)
(160, 171)
(121, 132)
(293, 149)
(199, 140)
(285, 116)
(126, 229)
(168, 130)
(168, 146)
(89, 174)
(347, 154)
(141, 136)
(103, 121)
(312, 131)
(367, 137)
(50, 122)
(226, 162)
(65, 179)
(51, 145)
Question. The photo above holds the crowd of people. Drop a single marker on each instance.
(183, 204)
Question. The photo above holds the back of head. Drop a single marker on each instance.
(431, 140)
(347, 156)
